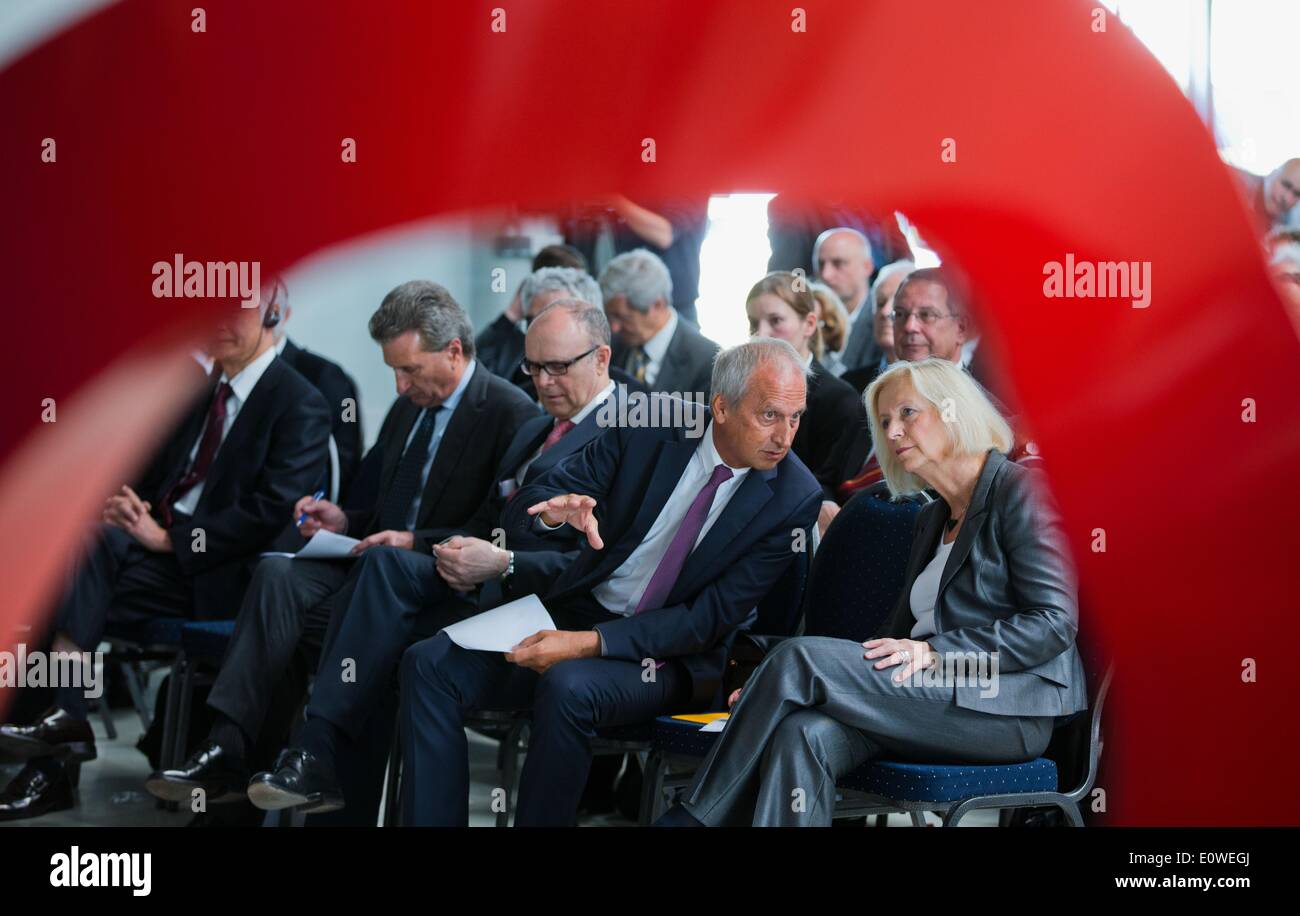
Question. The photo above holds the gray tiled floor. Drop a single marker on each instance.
(112, 787)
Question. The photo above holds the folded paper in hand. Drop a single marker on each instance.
(502, 628)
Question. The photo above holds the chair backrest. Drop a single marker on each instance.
(858, 570)
(780, 609)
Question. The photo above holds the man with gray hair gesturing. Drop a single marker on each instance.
(682, 540)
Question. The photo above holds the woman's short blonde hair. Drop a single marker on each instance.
(973, 423)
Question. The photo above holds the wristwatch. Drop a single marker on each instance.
(510, 565)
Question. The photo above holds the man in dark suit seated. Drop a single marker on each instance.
(181, 543)
(441, 441)
(687, 527)
(334, 383)
(500, 346)
(402, 594)
(654, 345)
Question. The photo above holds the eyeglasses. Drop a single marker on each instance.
(925, 316)
(554, 368)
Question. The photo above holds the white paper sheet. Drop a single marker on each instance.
(326, 545)
(502, 628)
(716, 725)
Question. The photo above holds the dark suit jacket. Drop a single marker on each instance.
(687, 365)
(1007, 587)
(477, 435)
(500, 347)
(631, 473)
(275, 452)
(834, 412)
(336, 385)
(539, 559)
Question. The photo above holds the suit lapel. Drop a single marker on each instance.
(245, 425)
(397, 443)
(671, 462)
(529, 439)
(976, 516)
(459, 431)
(754, 492)
(670, 371)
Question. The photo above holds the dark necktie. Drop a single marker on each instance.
(557, 433)
(683, 542)
(637, 360)
(406, 480)
(212, 432)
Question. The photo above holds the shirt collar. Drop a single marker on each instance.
(282, 343)
(592, 404)
(247, 378)
(707, 454)
(657, 346)
(451, 403)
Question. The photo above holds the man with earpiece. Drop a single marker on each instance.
(182, 541)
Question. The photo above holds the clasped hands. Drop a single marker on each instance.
(128, 511)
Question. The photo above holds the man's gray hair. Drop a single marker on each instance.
(640, 277)
(586, 315)
(734, 366)
(577, 283)
(821, 240)
(424, 306)
(885, 274)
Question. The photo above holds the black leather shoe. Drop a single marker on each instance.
(221, 776)
(299, 779)
(55, 734)
(34, 792)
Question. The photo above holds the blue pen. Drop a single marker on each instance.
(315, 496)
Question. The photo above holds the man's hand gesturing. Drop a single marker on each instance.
(578, 511)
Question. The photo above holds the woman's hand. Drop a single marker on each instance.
(735, 695)
(911, 654)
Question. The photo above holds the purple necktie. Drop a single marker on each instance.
(665, 575)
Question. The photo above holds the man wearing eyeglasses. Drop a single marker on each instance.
(403, 595)
(928, 320)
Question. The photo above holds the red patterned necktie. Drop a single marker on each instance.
(212, 432)
(557, 433)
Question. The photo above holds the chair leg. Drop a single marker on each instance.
(881, 820)
(392, 791)
(652, 788)
(171, 707)
(106, 716)
(509, 764)
(135, 686)
(918, 818)
(1072, 813)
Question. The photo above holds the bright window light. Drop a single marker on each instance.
(733, 258)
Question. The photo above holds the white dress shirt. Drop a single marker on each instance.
(575, 419)
(242, 386)
(621, 592)
(656, 348)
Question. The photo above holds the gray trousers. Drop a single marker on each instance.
(814, 710)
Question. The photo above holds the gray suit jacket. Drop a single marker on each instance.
(1007, 587)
